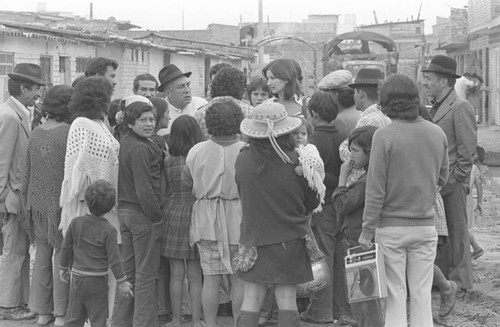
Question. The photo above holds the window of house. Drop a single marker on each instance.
(81, 64)
(46, 65)
(6, 63)
(6, 67)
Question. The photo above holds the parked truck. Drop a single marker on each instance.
(360, 49)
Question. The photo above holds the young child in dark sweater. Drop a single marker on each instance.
(89, 248)
(349, 203)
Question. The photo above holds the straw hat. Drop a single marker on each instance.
(270, 120)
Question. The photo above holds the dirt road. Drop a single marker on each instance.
(478, 308)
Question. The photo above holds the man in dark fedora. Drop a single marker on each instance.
(177, 87)
(24, 89)
(456, 117)
(365, 87)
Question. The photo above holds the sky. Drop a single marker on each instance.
(168, 14)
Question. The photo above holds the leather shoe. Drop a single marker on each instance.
(448, 300)
(16, 313)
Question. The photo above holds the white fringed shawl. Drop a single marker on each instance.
(313, 170)
(91, 154)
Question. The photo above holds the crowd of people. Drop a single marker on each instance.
(128, 201)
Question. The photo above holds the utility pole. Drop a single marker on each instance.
(261, 33)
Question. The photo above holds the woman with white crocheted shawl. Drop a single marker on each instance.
(91, 150)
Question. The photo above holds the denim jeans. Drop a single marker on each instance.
(409, 253)
(88, 298)
(324, 227)
(141, 257)
(48, 292)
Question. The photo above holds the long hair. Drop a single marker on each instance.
(184, 134)
(399, 98)
(285, 70)
(265, 149)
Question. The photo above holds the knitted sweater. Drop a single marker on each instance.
(408, 160)
(44, 175)
(91, 154)
(90, 248)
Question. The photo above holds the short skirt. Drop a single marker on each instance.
(280, 263)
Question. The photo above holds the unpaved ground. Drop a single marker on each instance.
(479, 308)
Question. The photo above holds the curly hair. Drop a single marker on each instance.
(216, 68)
(223, 118)
(91, 98)
(100, 197)
(362, 137)
(184, 134)
(325, 104)
(55, 103)
(285, 70)
(228, 81)
(399, 98)
(134, 111)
